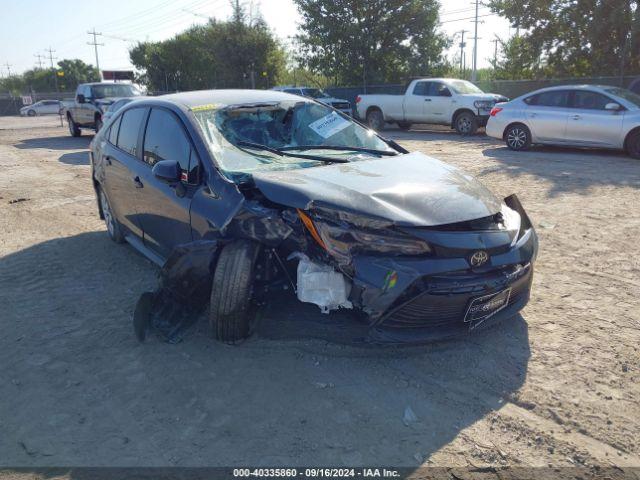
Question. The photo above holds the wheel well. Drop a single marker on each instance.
(96, 187)
(97, 116)
(504, 133)
(373, 108)
(458, 112)
(626, 138)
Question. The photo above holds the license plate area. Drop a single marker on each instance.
(481, 308)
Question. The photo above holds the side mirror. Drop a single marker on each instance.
(613, 106)
(167, 170)
(81, 98)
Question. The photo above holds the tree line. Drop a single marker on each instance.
(367, 42)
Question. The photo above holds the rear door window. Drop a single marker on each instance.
(554, 98)
(422, 88)
(165, 139)
(130, 129)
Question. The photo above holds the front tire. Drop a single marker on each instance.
(375, 120)
(31, 113)
(113, 227)
(466, 124)
(74, 130)
(518, 137)
(633, 144)
(232, 312)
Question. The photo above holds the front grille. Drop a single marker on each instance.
(446, 307)
(341, 105)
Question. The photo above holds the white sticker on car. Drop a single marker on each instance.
(329, 125)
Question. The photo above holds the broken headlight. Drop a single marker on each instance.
(343, 241)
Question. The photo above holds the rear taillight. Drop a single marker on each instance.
(358, 99)
(495, 110)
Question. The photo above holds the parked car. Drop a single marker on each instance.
(441, 101)
(320, 95)
(92, 101)
(289, 190)
(43, 107)
(117, 104)
(570, 115)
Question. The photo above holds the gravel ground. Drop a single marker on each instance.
(558, 385)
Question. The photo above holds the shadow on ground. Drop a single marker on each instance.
(569, 169)
(56, 143)
(79, 390)
(75, 158)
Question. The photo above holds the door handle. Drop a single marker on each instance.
(576, 117)
(137, 182)
(107, 160)
(427, 99)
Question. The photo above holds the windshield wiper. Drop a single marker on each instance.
(281, 153)
(341, 148)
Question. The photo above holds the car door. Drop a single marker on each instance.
(122, 161)
(415, 102)
(590, 123)
(50, 107)
(438, 104)
(547, 114)
(164, 207)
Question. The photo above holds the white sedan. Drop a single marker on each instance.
(43, 107)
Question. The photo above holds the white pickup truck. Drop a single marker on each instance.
(442, 101)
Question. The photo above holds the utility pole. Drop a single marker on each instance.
(462, 45)
(95, 46)
(8, 67)
(495, 51)
(53, 69)
(474, 72)
(40, 57)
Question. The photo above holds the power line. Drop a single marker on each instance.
(39, 57)
(468, 18)
(95, 46)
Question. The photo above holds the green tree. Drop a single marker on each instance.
(370, 41)
(573, 38)
(239, 53)
(73, 72)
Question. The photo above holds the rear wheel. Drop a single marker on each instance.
(466, 123)
(404, 125)
(518, 137)
(633, 144)
(375, 120)
(74, 130)
(232, 311)
(113, 227)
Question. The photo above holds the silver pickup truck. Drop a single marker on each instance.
(91, 102)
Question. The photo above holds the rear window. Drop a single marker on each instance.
(554, 98)
(129, 130)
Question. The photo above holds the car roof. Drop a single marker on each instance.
(574, 87)
(225, 97)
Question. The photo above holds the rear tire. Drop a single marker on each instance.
(632, 144)
(375, 120)
(113, 227)
(232, 312)
(404, 126)
(518, 137)
(466, 124)
(74, 130)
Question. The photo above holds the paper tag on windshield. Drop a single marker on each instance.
(329, 125)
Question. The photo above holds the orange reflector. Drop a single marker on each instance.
(311, 227)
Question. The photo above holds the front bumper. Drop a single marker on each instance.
(416, 300)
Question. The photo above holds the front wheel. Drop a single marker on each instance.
(375, 120)
(466, 124)
(633, 145)
(98, 124)
(518, 137)
(232, 311)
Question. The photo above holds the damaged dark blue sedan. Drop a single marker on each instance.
(237, 192)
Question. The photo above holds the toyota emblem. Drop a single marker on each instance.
(479, 258)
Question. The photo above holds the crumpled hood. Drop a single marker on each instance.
(410, 190)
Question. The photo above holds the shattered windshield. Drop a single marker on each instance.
(287, 126)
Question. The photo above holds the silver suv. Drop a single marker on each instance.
(571, 115)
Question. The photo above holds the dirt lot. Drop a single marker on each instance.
(558, 385)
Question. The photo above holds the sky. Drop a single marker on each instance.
(31, 27)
